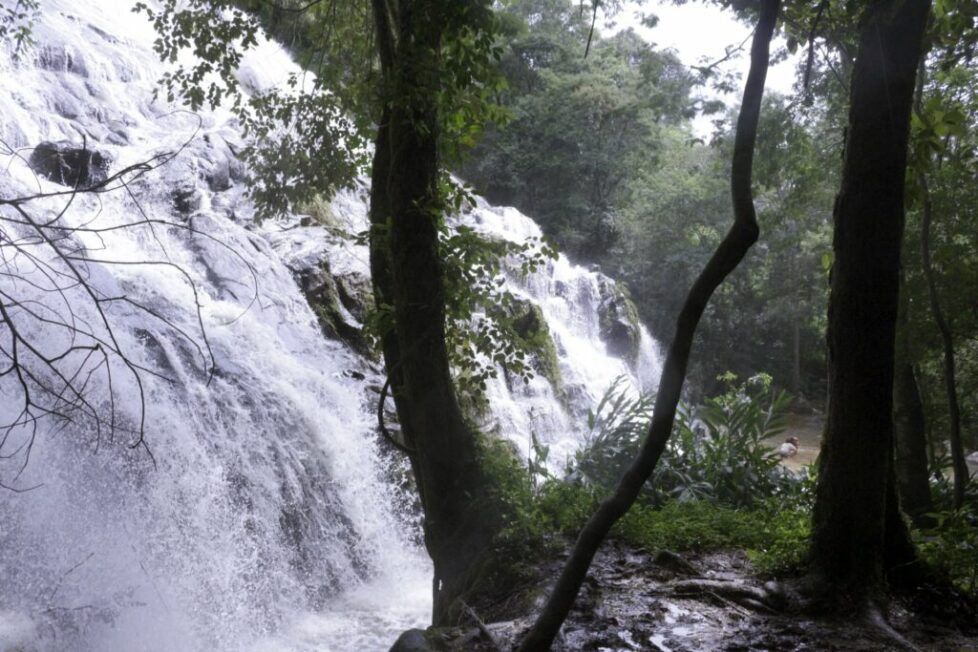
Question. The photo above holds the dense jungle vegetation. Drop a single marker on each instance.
(859, 300)
(591, 135)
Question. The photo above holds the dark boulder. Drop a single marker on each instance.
(413, 640)
(70, 165)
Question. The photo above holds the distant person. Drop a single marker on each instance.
(789, 448)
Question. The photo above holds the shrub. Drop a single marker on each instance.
(717, 451)
(951, 546)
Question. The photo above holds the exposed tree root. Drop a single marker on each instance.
(670, 561)
(876, 623)
(481, 625)
(808, 596)
(753, 598)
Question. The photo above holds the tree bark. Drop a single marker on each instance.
(728, 255)
(406, 210)
(852, 500)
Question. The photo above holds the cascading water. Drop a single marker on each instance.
(261, 514)
(574, 301)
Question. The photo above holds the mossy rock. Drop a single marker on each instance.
(619, 326)
(355, 294)
(339, 303)
(530, 326)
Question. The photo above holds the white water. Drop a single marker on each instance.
(569, 296)
(268, 521)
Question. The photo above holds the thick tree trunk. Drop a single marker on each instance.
(728, 255)
(852, 501)
(405, 257)
(909, 427)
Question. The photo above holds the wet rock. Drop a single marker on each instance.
(356, 294)
(61, 59)
(531, 328)
(69, 164)
(220, 166)
(219, 177)
(187, 200)
(413, 640)
(339, 304)
(618, 320)
(67, 108)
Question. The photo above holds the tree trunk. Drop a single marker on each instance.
(958, 462)
(909, 426)
(852, 500)
(406, 210)
(728, 255)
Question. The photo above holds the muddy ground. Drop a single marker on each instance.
(633, 600)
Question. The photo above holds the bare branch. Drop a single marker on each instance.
(61, 344)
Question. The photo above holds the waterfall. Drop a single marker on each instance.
(263, 512)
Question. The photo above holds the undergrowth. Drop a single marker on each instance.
(719, 485)
(951, 546)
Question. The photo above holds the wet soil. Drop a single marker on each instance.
(633, 600)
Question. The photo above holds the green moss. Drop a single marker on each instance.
(531, 328)
(328, 298)
(775, 537)
(501, 582)
(631, 314)
(325, 302)
(320, 213)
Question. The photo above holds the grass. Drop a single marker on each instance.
(775, 537)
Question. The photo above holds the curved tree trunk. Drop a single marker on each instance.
(408, 279)
(958, 462)
(854, 500)
(728, 255)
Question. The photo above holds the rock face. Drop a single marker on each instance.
(339, 301)
(70, 165)
(531, 327)
(619, 323)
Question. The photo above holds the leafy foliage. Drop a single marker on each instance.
(16, 19)
(951, 545)
(598, 150)
(483, 333)
(483, 318)
(578, 124)
(774, 535)
(718, 451)
(310, 136)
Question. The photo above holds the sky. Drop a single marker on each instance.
(697, 32)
